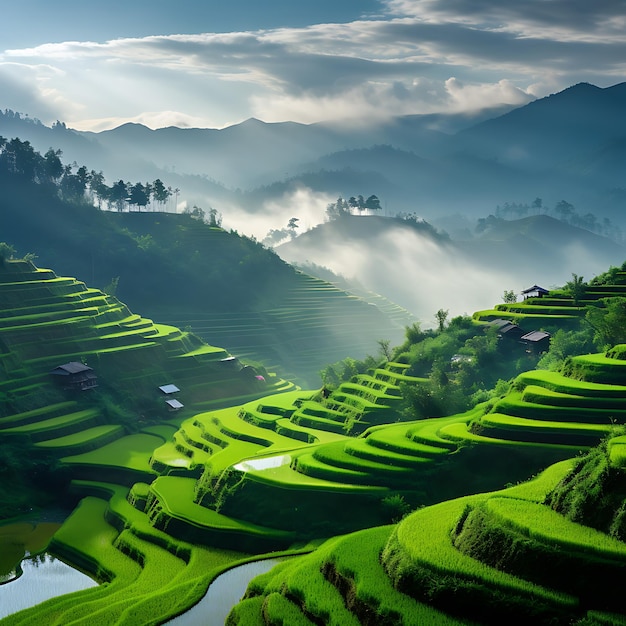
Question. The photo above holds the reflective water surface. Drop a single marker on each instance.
(43, 577)
(223, 593)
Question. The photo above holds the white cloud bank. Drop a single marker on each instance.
(423, 57)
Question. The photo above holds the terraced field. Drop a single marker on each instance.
(165, 502)
(312, 324)
(494, 558)
(556, 310)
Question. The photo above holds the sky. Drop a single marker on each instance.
(212, 64)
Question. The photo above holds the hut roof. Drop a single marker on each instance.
(536, 288)
(167, 389)
(73, 367)
(535, 335)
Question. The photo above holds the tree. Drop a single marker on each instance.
(292, 225)
(336, 210)
(608, 321)
(138, 196)
(7, 252)
(149, 191)
(119, 194)
(564, 210)
(98, 187)
(215, 218)
(442, 317)
(73, 186)
(160, 193)
(385, 349)
(373, 203)
(53, 167)
(576, 288)
(196, 212)
(19, 158)
(509, 297)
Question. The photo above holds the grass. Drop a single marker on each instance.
(132, 452)
(541, 523)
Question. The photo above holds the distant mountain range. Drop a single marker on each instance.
(571, 145)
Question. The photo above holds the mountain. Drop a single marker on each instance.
(543, 246)
(552, 131)
(570, 145)
(413, 265)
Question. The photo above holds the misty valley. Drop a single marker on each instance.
(365, 376)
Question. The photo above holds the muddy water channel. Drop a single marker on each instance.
(223, 593)
(27, 580)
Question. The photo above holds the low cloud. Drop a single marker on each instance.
(415, 271)
(424, 275)
(308, 206)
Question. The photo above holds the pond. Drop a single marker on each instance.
(43, 577)
(222, 595)
(27, 580)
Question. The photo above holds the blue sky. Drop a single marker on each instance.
(212, 64)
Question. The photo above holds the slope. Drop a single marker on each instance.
(168, 263)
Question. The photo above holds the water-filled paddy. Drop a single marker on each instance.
(43, 577)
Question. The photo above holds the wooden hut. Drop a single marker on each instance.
(76, 376)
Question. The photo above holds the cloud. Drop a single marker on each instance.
(601, 21)
(308, 206)
(472, 97)
(411, 269)
(30, 89)
(427, 56)
(151, 119)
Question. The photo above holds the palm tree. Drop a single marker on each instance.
(576, 288)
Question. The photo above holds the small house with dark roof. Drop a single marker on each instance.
(536, 341)
(507, 329)
(75, 376)
(535, 292)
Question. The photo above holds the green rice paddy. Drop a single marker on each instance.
(163, 502)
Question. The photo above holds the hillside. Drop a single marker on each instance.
(226, 287)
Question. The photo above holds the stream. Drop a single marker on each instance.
(223, 593)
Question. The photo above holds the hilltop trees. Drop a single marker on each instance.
(563, 210)
(509, 296)
(342, 207)
(75, 183)
(7, 252)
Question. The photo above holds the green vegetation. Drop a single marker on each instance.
(164, 501)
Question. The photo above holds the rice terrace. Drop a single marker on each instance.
(176, 462)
